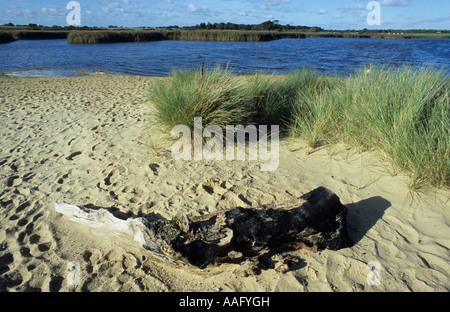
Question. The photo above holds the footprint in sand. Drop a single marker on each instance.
(10, 280)
(5, 260)
(4, 161)
(13, 181)
(16, 164)
(61, 180)
(213, 186)
(154, 168)
(113, 177)
(223, 193)
(74, 155)
(27, 177)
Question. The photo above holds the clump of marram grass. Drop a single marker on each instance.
(402, 113)
(221, 98)
(211, 94)
(315, 117)
(405, 114)
(273, 98)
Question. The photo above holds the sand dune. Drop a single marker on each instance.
(88, 141)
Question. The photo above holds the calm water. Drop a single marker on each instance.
(327, 55)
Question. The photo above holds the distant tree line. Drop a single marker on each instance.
(265, 26)
(33, 26)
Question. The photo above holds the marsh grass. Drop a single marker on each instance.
(273, 98)
(91, 37)
(401, 113)
(315, 116)
(212, 95)
(224, 35)
(110, 36)
(6, 37)
(221, 98)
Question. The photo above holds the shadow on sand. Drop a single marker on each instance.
(362, 216)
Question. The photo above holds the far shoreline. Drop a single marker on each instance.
(67, 73)
(86, 35)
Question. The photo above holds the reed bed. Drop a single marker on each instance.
(90, 37)
(230, 35)
(402, 113)
(6, 37)
(13, 35)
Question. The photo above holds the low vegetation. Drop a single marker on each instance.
(90, 37)
(266, 31)
(86, 37)
(402, 113)
(6, 38)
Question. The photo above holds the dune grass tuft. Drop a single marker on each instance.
(403, 113)
(211, 94)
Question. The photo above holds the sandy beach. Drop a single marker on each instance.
(89, 141)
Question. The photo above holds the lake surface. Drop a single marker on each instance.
(327, 55)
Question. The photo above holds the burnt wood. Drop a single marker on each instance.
(257, 238)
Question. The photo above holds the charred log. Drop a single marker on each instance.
(254, 237)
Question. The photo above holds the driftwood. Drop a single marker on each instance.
(254, 237)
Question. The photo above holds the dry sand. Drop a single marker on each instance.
(86, 140)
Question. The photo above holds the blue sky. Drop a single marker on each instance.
(328, 14)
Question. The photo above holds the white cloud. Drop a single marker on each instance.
(321, 11)
(276, 2)
(193, 9)
(48, 10)
(353, 7)
(395, 3)
(391, 3)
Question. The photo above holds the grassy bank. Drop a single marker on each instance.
(107, 35)
(6, 38)
(86, 37)
(227, 35)
(110, 36)
(403, 114)
(39, 35)
(14, 35)
(90, 37)
(384, 35)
